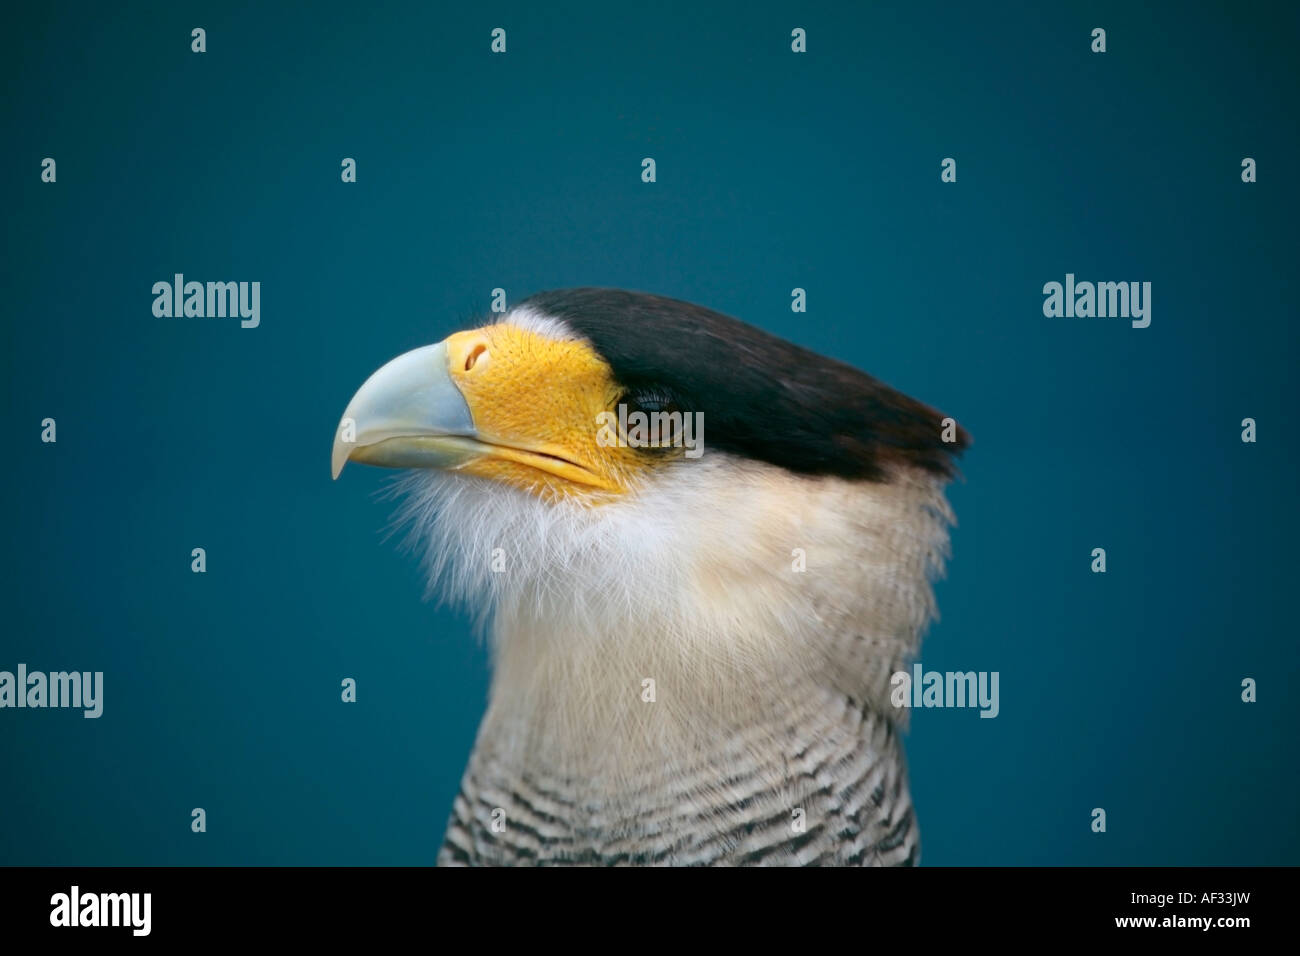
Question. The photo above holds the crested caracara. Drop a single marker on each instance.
(693, 627)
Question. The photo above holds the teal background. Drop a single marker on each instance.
(522, 171)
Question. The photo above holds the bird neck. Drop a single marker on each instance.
(732, 605)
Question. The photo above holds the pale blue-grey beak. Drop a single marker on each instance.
(409, 414)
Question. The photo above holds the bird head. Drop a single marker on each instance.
(785, 520)
(549, 400)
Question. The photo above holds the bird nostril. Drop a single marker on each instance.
(472, 358)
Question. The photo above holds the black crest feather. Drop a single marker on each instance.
(762, 397)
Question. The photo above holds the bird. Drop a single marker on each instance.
(692, 629)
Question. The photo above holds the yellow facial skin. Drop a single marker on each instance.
(534, 401)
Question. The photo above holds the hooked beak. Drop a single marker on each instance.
(409, 414)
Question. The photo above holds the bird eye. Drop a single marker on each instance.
(649, 402)
(652, 418)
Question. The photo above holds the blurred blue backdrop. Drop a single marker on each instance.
(522, 171)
